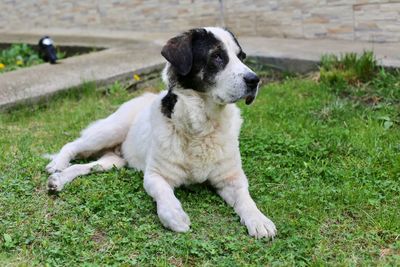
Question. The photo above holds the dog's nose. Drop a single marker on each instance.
(251, 80)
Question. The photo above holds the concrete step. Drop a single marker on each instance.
(33, 83)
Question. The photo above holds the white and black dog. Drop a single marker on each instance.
(187, 134)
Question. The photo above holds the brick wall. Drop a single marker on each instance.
(369, 20)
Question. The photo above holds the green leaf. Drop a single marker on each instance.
(7, 238)
(387, 124)
(384, 118)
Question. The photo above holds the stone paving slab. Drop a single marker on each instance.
(135, 52)
(387, 54)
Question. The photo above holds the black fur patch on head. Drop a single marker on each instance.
(168, 103)
(209, 58)
(178, 52)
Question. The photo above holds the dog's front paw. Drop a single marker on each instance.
(56, 166)
(259, 225)
(55, 183)
(173, 217)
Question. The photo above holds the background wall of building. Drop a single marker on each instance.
(368, 20)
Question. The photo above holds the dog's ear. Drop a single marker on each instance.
(178, 52)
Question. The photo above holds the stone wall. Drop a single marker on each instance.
(368, 20)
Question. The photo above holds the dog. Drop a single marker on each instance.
(184, 135)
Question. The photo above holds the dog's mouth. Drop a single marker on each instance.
(249, 99)
(250, 95)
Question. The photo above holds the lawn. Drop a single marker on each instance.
(323, 164)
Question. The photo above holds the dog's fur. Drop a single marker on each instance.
(187, 134)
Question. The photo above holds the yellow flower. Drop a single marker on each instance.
(2, 66)
(136, 77)
(19, 62)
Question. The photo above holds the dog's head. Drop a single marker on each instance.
(210, 60)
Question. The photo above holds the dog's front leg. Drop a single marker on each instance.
(234, 190)
(169, 209)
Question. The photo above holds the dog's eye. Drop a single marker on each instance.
(217, 58)
(242, 55)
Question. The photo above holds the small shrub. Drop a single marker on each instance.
(20, 56)
(387, 84)
(360, 78)
(349, 68)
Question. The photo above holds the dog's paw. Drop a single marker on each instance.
(54, 183)
(260, 226)
(56, 166)
(173, 217)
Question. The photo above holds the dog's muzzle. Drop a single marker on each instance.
(252, 81)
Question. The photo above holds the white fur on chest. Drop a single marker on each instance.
(195, 158)
(188, 147)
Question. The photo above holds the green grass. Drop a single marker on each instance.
(324, 167)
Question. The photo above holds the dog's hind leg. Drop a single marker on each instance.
(109, 160)
(102, 134)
